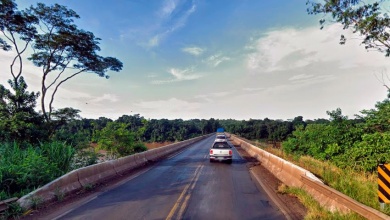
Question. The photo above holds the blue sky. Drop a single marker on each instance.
(218, 58)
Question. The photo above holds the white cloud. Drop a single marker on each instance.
(151, 76)
(105, 98)
(168, 7)
(300, 77)
(174, 16)
(172, 108)
(290, 48)
(216, 59)
(179, 75)
(252, 89)
(154, 41)
(196, 51)
(211, 97)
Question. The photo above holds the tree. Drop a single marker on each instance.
(18, 119)
(16, 24)
(119, 140)
(368, 20)
(62, 48)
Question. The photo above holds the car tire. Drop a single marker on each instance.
(211, 160)
(230, 161)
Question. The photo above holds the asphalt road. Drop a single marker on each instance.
(186, 186)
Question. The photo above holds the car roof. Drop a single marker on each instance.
(220, 145)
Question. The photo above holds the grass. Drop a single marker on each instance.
(314, 209)
(59, 194)
(13, 212)
(360, 186)
(89, 187)
(36, 202)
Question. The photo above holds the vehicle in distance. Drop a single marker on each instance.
(221, 151)
(220, 138)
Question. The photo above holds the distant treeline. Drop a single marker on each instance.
(266, 129)
(360, 143)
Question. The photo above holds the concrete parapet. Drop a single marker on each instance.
(140, 159)
(161, 152)
(93, 174)
(61, 186)
(77, 179)
(151, 155)
(124, 164)
(293, 175)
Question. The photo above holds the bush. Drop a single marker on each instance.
(361, 145)
(367, 154)
(118, 140)
(85, 158)
(23, 170)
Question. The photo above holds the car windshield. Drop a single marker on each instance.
(221, 137)
(221, 145)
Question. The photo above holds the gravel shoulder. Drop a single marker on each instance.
(289, 204)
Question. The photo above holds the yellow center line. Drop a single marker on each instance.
(183, 195)
(185, 203)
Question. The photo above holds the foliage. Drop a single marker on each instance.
(84, 157)
(367, 154)
(314, 209)
(361, 144)
(119, 140)
(267, 129)
(18, 31)
(60, 48)
(18, 119)
(13, 212)
(369, 20)
(77, 133)
(359, 185)
(23, 170)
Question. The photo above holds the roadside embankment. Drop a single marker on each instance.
(293, 175)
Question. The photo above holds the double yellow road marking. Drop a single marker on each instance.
(181, 204)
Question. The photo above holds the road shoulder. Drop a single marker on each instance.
(290, 205)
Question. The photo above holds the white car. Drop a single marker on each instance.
(220, 138)
(221, 151)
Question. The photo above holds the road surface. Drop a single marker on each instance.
(185, 186)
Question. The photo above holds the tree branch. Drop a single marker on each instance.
(56, 88)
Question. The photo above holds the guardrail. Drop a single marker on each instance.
(293, 175)
(90, 175)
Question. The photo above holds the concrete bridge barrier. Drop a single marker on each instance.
(293, 175)
(90, 175)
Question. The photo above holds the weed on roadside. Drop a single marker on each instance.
(36, 201)
(14, 211)
(59, 194)
(89, 187)
(314, 209)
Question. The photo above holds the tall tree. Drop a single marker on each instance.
(65, 51)
(18, 31)
(368, 20)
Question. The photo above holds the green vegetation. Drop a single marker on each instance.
(314, 209)
(37, 147)
(24, 169)
(361, 186)
(343, 152)
(359, 144)
(13, 212)
(369, 19)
